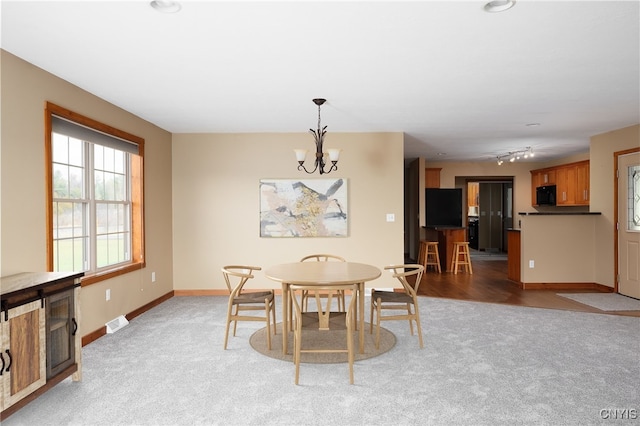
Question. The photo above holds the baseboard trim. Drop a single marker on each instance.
(141, 310)
(209, 292)
(566, 286)
(96, 334)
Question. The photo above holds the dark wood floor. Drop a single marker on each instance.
(489, 283)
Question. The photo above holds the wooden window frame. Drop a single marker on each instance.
(137, 192)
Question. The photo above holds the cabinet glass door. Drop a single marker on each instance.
(61, 328)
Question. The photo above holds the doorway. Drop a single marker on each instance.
(489, 219)
(628, 212)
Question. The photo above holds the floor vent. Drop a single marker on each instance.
(116, 324)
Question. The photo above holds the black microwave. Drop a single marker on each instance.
(546, 195)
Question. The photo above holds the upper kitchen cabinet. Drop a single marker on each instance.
(432, 177)
(571, 180)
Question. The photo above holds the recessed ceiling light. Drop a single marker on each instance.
(441, 154)
(499, 5)
(166, 6)
(532, 124)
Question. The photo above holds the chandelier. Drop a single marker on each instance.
(318, 135)
(515, 155)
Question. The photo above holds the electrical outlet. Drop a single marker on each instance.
(391, 217)
(531, 264)
(108, 294)
(153, 277)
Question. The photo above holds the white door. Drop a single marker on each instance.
(629, 224)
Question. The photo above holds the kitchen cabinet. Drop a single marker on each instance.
(473, 189)
(582, 183)
(39, 344)
(571, 180)
(432, 178)
(566, 186)
(513, 255)
(541, 177)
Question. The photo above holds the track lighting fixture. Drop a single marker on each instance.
(515, 155)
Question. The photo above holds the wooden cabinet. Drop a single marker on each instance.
(541, 177)
(513, 255)
(582, 184)
(39, 346)
(473, 189)
(566, 186)
(432, 178)
(23, 352)
(61, 330)
(571, 180)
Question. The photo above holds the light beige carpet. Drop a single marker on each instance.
(313, 338)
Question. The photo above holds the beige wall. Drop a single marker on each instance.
(25, 88)
(602, 175)
(216, 203)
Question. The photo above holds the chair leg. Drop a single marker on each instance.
(235, 322)
(409, 314)
(418, 326)
(266, 311)
(436, 256)
(379, 303)
(273, 315)
(226, 330)
(468, 256)
(455, 259)
(371, 316)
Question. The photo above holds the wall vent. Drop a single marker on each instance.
(116, 324)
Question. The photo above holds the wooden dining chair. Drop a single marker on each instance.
(296, 295)
(236, 276)
(323, 294)
(405, 300)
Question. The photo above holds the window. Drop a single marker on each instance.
(633, 203)
(95, 196)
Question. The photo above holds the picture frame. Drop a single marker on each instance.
(298, 208)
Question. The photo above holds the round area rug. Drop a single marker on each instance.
(313, 338)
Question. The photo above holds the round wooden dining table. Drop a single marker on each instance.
(322, 274)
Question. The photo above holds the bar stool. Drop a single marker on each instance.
(422, 252)
(461, 257)
(432, 257)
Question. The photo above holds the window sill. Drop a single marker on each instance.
(105, 275)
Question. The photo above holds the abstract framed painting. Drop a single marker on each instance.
(293, 208)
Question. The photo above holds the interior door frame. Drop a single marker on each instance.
(503, 180)
(616, 176)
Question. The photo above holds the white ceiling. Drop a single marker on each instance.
(455, 79)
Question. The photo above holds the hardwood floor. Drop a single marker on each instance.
(489, 283)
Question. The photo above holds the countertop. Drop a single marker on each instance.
(33, 280)
(559, 213)
(444, 227)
